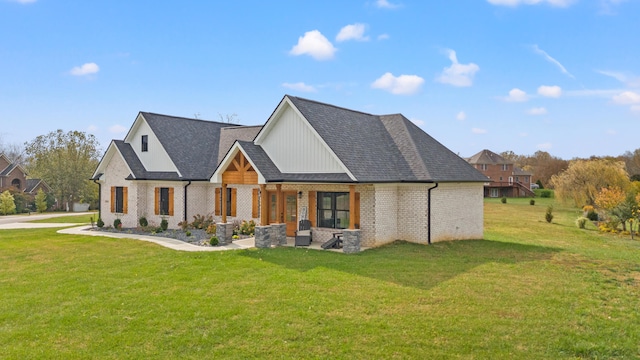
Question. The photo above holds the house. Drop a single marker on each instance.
(506, 178)
(14, 175)
(373, 178)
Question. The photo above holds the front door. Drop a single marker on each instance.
(291, 212)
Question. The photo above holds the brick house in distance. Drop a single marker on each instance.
(506, 179)
(15, 176)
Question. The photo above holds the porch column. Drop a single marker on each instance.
(279, 214)
(224, 203)
(352, 207)
(264, 208)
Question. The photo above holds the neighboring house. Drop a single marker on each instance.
(14, 175)
(380, 176)
(506, 178)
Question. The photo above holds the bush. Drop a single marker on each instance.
(201, 221)
(143, 222)
(188, 233)
(503, 200)
(213, 241)
(164, 224)
(549, 214)
(545, 193)
(211, 229)
(581, 222)
(100, 223)
(247, 227)
(532, 202)
(117, 224)
(184, 225)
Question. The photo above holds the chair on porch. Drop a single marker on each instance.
(303, 234)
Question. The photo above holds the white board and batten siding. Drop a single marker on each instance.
(156, 158)
(294, 147)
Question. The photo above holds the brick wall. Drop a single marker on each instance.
(115, 175)
(458, 212)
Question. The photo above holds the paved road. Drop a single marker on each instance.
(15, 221)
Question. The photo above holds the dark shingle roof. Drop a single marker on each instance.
(192, 144)
(8, 169)
(138, 170)
(385, 148)
(487, 157)
(230, 134)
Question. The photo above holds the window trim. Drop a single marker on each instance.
(320, 221)
(145, 143)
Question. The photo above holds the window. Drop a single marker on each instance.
(232, 194)
(163, 201)
(494, 192)
(145, 143)
(119, 199)
(16, 184)
(505, 167)
(333, 210)
(483, 167)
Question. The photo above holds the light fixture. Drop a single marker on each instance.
(299, 194)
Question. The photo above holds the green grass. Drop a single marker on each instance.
(530, 290)
(76, 219)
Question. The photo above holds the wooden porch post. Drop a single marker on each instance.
(279, 215)
(352, 207)
(264, 205)
(224, 203)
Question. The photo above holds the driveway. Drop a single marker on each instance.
(23, 221)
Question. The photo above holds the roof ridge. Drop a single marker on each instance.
(191, 119)
(330, 105)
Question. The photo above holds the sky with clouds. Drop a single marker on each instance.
(561, 76)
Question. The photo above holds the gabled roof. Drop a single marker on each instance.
(385, 148)
(6, 171)
(137, 169)
(32, 184)
(192, 144)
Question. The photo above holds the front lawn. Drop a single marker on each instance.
(530, 290)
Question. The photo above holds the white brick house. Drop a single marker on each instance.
(380, 176)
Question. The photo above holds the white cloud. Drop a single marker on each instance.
(85, 69)
(458, 74)
(545, 146)
(24, 1)
(117, 129)
(517, 95)
(627, 98)
(629, 80)
(299, 86)
(418, 122)
(514, 3)
(383, 36)
(385, 4)
(478, 131)
(461, 116)
(352, 32)
(548, 57)
(401, 85)
(550, 91)
(314, 44)
(537, 111)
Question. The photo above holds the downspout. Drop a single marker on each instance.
(99, 198)
(429, 213)
(185, 200)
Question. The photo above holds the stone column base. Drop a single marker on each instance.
(263, 237)
(224, 232)
(280, 231)
(351, 241)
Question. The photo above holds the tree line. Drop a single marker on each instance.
(64, 160)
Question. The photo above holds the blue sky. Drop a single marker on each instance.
(561, 76)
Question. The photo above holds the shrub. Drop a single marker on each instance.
(581, 222)
(503, 200)
(235, 237)
(213, 241)
(545, 193)
(100, 223)
(188, 233)
(247, 227)
(532, 202)
(211, 229)
(549, 214)
(117, 224)
(164, 224)
(143, 222)
(184, 225)
(201, 221)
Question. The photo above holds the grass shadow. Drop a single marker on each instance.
(409, 264)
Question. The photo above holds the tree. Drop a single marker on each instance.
(617, 203)
(582, 181)
(7, 206)
(65, 161)
(41, 201)
(14, 152)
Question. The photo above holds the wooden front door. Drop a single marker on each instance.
(289, 210)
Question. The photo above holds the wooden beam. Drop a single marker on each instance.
(224, 203)
(264, 205)
(279, 214)
(352, 207)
